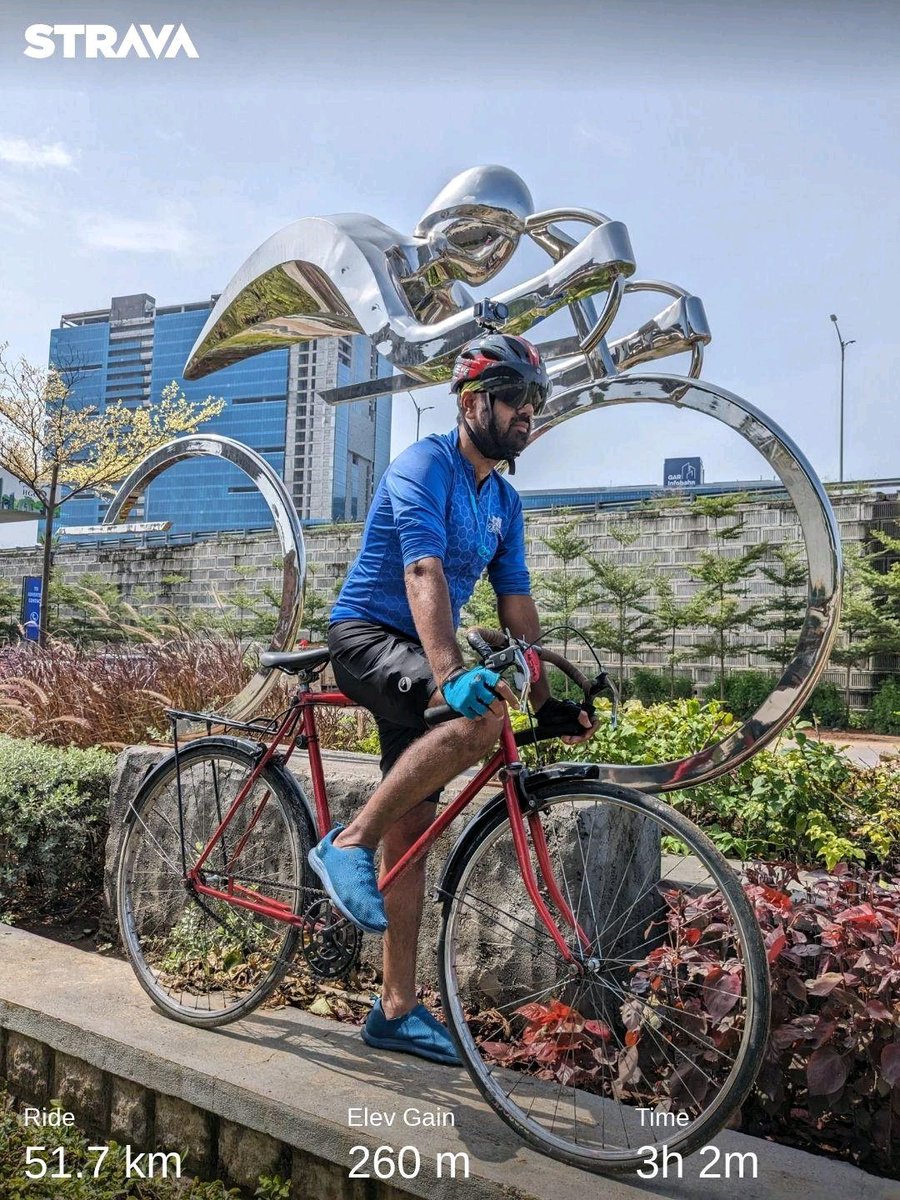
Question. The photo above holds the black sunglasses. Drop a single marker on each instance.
(519, 395)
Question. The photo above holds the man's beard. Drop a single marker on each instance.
(494, 444)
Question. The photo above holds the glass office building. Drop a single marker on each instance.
(330, 458)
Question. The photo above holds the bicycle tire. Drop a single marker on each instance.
(187, 948)
(482, 876)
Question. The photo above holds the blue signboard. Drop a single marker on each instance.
(682, 472)
(31, 606)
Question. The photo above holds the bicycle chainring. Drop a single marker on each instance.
(329, 942)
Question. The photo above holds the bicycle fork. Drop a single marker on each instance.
(514, 792)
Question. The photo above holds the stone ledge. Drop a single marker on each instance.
(276, 1087)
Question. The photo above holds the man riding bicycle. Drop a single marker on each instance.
(440, 517)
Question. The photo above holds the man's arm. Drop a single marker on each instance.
(429, 602)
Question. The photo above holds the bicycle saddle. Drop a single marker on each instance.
(295, 661)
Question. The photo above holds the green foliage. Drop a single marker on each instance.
(671, 616)
(744, 691)
(273, 1187)
(625, 589)
(720, 605)
(801, 801)
(53, 824)
(858, 633)
(886, 707)
(481, 608)
(825, 707)
(651, 687)
(10, 611)
(110, 1181)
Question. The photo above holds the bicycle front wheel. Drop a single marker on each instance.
(654, 1029)
(206, 960)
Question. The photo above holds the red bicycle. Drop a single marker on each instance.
(602, 972)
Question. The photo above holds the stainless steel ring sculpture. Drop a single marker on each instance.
(350, 273)
(287, 526)
(823, 550)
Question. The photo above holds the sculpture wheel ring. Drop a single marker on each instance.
(823, 552)
(287, 526)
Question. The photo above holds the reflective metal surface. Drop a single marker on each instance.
(820, 533)
(287, 526)
(350, 273)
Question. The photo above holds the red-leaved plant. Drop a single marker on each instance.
(831, 1078)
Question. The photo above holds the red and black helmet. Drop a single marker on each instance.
(502, 361)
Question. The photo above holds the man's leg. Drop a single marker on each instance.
(425, 767)
(403, 905)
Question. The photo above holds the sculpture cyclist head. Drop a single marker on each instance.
(474, 223)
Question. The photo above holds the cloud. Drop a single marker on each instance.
(18, 204)
(166, 234)
(22, 153)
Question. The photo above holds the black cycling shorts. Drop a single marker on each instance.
(386, 672)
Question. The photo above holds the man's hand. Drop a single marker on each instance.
(565, 715)
(477, 691)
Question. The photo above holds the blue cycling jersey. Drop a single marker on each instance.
(427, 505)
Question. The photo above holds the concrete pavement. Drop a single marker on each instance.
(295, 1078)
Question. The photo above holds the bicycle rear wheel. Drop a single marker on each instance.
(203, 960)
(655, 1034)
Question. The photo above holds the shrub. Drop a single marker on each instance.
(831, 1078)
(655, 687)
(53, 826)
(826, 707)
(886, 707)
(113, 696)
(744, 691)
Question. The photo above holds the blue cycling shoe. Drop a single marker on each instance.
(348, 876)
(416, 1032)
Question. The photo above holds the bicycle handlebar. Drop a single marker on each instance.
(497, 651)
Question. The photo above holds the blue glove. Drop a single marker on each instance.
(470, 692)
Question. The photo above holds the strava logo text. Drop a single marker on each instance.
(103, 41)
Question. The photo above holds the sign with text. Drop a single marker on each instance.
(682, 472)
(31, 606)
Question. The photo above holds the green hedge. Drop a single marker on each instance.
(53, 826)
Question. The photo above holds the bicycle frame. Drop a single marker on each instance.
(299, 727)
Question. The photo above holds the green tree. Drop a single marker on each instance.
(625, 588)
(481, 607)
(566, 591)
(883, 567)
(784, 612)
(9, 611)
(671, 616)
(720, 604)
(61, 449)
(862, 624)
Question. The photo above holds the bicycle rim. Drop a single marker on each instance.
(654, 1036)
(203, 960)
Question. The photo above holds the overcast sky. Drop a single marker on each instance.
(752, 151)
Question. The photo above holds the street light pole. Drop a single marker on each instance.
(419, 411)
(844, 346)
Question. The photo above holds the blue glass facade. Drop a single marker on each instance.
(131, 352)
